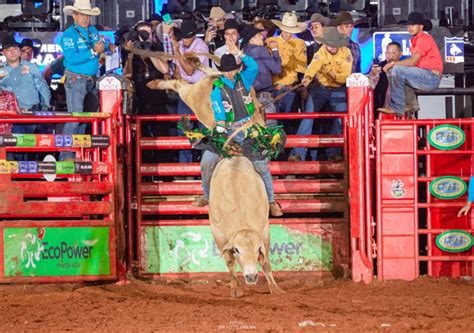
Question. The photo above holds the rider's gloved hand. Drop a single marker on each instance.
(221, 129)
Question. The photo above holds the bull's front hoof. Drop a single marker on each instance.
(236, 292)
(276, 290)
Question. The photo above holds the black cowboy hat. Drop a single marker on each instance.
(9, 41)
(34, 44)
(188, 29)
(231, 24)
(248, 32)
(228, 63)
(417, 18)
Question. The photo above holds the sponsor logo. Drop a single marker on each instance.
(454, 241)
(454, 50)
(7, 141)
(45, 140)
(99, 141)
(448, 187)
(397, 189)
(65, 168)
(82, 141)
(25, 140)
(446, 137)
(83, 167)
(67, 141)
(382, 39)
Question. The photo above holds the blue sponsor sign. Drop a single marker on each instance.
(67, 140)
(383, 38)
(59, 140)
(453, 50)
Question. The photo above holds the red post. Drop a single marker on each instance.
(359, 95)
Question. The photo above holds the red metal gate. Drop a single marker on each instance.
(173, 237)
(63, 230)
(413, 174)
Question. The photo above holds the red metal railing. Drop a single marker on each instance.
(77, 212)
(161, 201)
(409, 223)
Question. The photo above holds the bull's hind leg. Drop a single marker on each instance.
(235, 287)
(272, 286)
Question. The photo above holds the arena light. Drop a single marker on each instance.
(233, 5)
(293, 5)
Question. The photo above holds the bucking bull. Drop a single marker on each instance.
(238, 204)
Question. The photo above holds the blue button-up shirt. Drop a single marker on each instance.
(268, 65)
(78, 55)
(247, 76)
(28, 85)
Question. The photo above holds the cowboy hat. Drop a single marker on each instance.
(289, 23)
(333, 38)
(228, 63)
(216, 13)
(248, 32)
(344, 18)
(316, 17)
(34, 44)
(9, 41)
(188, 29)
(83, 7)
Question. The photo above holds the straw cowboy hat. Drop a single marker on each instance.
(216, 13)
(83, 7)
(289, 23)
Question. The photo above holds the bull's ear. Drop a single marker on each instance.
(228, 247)
(261, 254)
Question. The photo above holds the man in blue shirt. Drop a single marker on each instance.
(24, 79)
(233, 106)
(82, 47)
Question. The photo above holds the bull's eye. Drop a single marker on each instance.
(236, 250)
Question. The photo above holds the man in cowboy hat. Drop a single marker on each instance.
(268, 64)
(293, 56)
(24, 79)
(29, 50)
(345, 25)
(214, 36)
(328, 71)
(81, 48)
(231, 35)
(423, 70)
(232, 105)
(185, 40)
(316, 26)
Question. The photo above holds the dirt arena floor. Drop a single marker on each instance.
(203, 305)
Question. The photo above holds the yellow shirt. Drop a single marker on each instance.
(331, 70)
(293, 59)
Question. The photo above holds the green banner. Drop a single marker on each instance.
(25, 140)
(182, 249)
(65, 168)
(56, 251)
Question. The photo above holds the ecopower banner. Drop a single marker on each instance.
(191, 249)
(74, 251)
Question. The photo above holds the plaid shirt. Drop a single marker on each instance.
(355, 51)
(168, 48)
(8, 104)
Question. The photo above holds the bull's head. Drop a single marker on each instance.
(248, 249)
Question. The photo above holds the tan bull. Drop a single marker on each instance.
(238, 212)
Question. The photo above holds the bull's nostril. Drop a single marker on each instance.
(251, 277)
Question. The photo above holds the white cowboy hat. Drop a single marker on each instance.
(289, 23)
(83, 7)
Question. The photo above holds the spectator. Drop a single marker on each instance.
(267, 26)
(188, 42)
(29, 50)
(24, 79)
(345, 25)
(231, 35)
(292, 51)
(268, 64)
(316, 26)
(393, 52)
(214, 36)
(330, 68)
(423, 70)
(154, 21)
(82, 47)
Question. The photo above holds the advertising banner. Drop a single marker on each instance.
(191, 249)
(56, 251)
